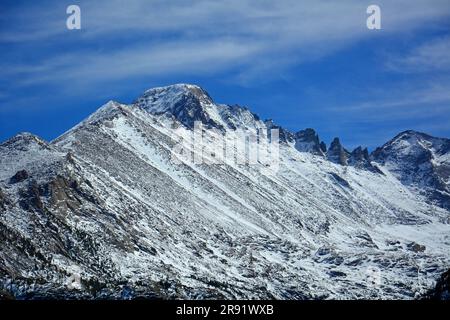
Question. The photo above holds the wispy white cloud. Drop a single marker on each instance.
(198, 57)
(197, 37)
(413, 101)
(433, 55)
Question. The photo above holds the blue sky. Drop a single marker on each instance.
(302, 63)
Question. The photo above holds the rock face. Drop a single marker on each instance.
(442, 289)
(189, 103)
(323, 147)
(420, 161)
(337, 154)
(108, 210)
(308, 141)
(360, 158)
(19, 176)
(3, 201)
(185, 102)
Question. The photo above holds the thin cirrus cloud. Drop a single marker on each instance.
(198, 37)
(431, 56)
(135, 61)
(421, 101)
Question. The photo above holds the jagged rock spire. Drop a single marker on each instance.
(359, 156)
(337, 153)
(308, 141)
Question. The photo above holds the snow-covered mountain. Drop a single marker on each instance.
(107, 210)
(420, 161)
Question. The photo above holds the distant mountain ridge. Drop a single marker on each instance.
(103, 211)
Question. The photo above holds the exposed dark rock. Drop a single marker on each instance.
(323, 251)
(366, 240)
(19, 176)
(185, 104)
(355, 261)
(340, 180)
(3, 200)
(337, 153)
(442, 289)
(69, 158)
(5, 295)
(31, 197)
(328, 256)
(308, 141)
(416, 247)
(360, 158)
(58, 189)
(334, 274)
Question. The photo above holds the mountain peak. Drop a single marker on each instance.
(163, 99)
(412, 142)
(411, 133)
(337, 153)
(186, 102)
(24, 138)
(189, 103)
(186, 87)
(107, 110)
(418, 159)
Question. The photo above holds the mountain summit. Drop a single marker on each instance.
(189, 103)
(421, 161)
(105, 211)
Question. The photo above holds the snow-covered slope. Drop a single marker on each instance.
(108, 210)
